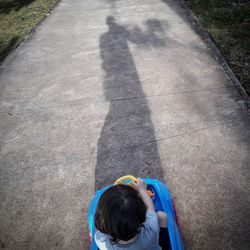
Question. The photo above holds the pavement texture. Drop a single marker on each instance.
(107, 88)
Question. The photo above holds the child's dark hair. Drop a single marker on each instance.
(120, 212)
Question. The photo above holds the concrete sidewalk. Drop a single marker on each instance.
(105, 88)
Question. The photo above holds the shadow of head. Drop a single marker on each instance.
(110, 20)
(155, 35)
(154, 25)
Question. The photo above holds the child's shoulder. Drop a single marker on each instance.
(102, 240)
(100, 237)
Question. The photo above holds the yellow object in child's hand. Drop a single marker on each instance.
(132, 179)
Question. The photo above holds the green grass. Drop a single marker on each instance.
(17, 18)
(228, 23)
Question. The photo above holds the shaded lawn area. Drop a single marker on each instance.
(228, 23)
(17, 17)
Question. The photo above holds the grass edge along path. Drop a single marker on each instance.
(228, 24)
(18, 19)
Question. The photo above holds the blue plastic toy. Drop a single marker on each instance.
(162, 201)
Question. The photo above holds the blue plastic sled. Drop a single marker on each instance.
(162, 201)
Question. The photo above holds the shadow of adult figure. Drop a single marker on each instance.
(127, 144)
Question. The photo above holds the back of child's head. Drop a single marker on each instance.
(120, 212)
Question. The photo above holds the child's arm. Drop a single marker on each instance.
(141, 187)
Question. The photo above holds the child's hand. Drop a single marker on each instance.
(140, 185)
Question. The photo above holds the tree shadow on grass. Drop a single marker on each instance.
(11, 45)
(7, 6)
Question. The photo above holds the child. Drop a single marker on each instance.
(125, 218)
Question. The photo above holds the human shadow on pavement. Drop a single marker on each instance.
(127, 143)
